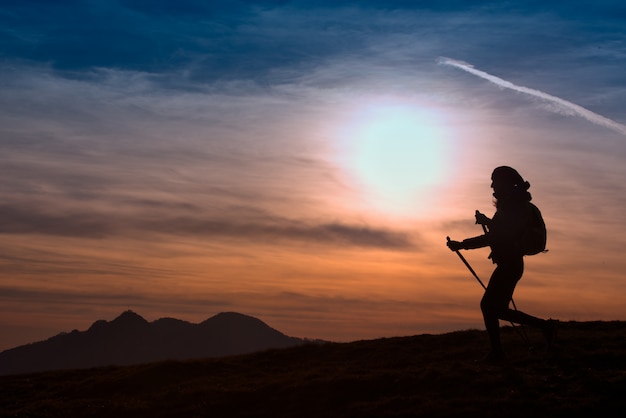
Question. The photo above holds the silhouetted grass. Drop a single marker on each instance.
(424, 375)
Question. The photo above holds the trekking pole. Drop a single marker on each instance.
(523, 333)
(468, 266)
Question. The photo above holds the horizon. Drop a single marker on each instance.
(303, 162)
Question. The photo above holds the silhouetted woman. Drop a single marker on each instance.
(503, 236)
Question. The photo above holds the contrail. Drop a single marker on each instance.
(562, 106)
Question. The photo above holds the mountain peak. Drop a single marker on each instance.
(234, 315)
(127, 319)
(130, 319)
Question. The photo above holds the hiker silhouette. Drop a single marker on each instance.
(503, 234)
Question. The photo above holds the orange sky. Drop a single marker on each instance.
(338, 268)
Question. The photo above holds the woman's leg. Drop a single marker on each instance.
(495, 302)
(495, 305)
(520, 317)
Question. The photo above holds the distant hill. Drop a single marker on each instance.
(417, 376)
(130, 339)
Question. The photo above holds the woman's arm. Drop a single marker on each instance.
(470, 243)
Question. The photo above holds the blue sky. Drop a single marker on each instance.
(300, 161)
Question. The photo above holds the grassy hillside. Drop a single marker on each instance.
(424, 375)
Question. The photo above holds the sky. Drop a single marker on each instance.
(303, 161)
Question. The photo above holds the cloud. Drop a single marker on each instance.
(281, 230)
(97, 140)
(271, 230)
(559, 105)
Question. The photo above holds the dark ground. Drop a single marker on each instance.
(424, 375)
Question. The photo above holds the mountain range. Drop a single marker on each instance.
(130, 339)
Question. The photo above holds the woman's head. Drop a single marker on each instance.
(506, 182)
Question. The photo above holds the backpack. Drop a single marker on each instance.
(534, 236)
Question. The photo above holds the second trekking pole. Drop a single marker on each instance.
(469, 267)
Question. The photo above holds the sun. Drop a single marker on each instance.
(397, 154)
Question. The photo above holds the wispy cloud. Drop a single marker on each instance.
(560, 105)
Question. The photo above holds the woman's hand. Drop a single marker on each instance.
(482, 219)
(454, 245)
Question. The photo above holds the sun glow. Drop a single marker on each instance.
(397, 154)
